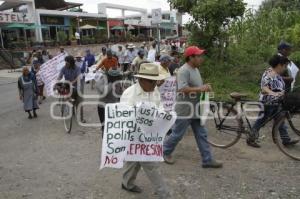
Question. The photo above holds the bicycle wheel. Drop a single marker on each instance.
(291, 151)
(67, 115)
(224, 134)
(293, 121)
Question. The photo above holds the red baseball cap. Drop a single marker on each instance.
(193, 50)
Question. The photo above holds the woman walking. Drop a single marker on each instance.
(28, 92)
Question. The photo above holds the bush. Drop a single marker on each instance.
(62, 37)
(295, 57)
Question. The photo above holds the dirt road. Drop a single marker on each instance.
(39, 161)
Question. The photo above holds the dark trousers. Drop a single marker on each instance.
(101, 114)
(125, 67)
(264, 116)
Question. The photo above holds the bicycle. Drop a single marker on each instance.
(234, 124)
(67, 105)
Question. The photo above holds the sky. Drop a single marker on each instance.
(91, 5)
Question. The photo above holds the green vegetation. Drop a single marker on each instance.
(240, 41)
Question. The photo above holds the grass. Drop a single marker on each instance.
(226, 79)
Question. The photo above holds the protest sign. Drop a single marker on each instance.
(49, 72)
(152, 126)
(168, 93)
(134, 133)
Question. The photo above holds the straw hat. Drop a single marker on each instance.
(150, 71)
(78, 55)
(130, 46)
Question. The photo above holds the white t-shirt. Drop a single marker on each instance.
(77, 35)
(151, 55)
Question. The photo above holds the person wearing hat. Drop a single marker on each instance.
(190, 86)
(138, 60)
(285, 50)
(130, 54)
(165, 62)
(110, 62)
(145, 90)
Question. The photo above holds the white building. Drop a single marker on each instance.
(170, 26)
(48, 16)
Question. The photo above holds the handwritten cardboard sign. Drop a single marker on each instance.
(168, 93)
(134, 133)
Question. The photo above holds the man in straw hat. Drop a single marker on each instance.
(190, 85)
(130, 54)
(145, 90)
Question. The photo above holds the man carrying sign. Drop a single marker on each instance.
(144, 90)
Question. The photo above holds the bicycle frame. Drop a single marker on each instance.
(219, 122)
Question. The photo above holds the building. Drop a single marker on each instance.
(141, 23)
(48, 17)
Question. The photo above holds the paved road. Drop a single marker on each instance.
(38, 160)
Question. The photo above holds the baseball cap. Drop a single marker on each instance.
(165, 58)
(284, 45)
(193, 50)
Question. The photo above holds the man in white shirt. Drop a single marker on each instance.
(129, 56)
(145, 90)
(152, 53)
(77, 36)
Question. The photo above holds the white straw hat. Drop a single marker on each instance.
(150, 71)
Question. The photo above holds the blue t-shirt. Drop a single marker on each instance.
(70, 74)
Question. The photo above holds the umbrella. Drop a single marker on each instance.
(16, 25)
(87, 27)
(100, 28)
(32, 27)
(118, 28)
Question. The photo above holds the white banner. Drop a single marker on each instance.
(134, 134)
(168, 93)
(49, 72)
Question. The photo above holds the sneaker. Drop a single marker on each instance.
(253, 143)
(213, 164)
(135, 189)
(290, 143)
(169, 159)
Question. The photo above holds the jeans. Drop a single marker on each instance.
(264, 116)
(200, 133)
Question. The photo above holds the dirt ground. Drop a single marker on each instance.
(38, 160)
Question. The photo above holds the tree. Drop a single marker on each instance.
(286, 5)
(211, 19)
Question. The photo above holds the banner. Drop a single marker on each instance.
(49, 72)
(168, 93)
(134, 133)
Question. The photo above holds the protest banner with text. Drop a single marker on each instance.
(134, 133)
(49, 72)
